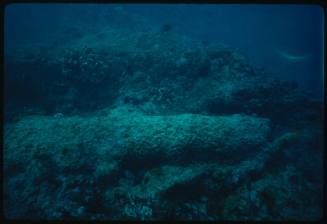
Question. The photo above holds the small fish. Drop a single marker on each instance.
(290, 57)
(166, 28)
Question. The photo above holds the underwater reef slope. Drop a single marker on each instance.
(157, 73)
(135, 166)
(130, 121)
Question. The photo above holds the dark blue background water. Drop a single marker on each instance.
(260, 31)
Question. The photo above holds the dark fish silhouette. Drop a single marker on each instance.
(166, 28)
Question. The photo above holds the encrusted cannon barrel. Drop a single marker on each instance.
(138, 134)
(172, 135)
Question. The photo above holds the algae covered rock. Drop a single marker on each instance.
(259, 200)
(73, 154)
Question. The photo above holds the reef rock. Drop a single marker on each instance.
(76, 154)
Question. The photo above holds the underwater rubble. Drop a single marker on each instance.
(152, 125)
